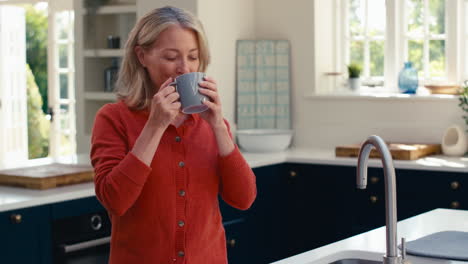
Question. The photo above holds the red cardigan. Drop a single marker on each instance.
(168, 212)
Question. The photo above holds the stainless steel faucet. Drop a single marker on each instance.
(391, 256)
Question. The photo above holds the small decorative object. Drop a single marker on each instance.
(463, 99)
(408, 79)
(443, 88)
(454, 141)
(354, 71)
(113, 42)
(110, 75)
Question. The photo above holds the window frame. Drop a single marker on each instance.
(54, 72)
(396, 42)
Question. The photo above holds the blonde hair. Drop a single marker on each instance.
(134, 85)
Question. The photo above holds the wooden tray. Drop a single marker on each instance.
(47, 176)
(399, 151)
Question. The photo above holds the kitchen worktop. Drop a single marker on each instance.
(15, 198)
(371, 245)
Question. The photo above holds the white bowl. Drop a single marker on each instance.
(264, 140)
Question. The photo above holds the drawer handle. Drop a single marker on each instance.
(454, 185)
(292, 174)
(373, 199)
(16, 218)
(85, 244)
(374, 180)
(454, 205)
(231, 243)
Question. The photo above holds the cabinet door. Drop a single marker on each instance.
(422, 191)
(368, 209)
(239, 249)
(263, 226)
(25, 236)
(315, 199)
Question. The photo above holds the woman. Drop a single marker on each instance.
(158, 171)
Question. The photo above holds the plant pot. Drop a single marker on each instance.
(354, 84)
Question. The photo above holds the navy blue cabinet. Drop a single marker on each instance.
(421, 191)
(252, 235)
(298, 207)
(25, 236)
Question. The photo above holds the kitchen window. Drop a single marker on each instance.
(15, 127)
(383, 34)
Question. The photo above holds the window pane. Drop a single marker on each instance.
(63, 85)
(415, 9)
(376, 19)
(63, 23)
(64, 118)
(436, 17)
(415, 55)
(65, 135)
(63, 55)
(357, 52)
(356, 17)
(437, 58)
(376, 58)
(65, 145)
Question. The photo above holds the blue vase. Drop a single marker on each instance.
(408, 79)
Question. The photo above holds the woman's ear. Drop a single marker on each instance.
(140, 52)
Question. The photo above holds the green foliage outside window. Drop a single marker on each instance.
(38, 125)
(415, 8)
(36, 49)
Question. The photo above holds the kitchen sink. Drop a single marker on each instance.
(356, 261)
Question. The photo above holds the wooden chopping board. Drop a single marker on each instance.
(399, 151)
(47, 176)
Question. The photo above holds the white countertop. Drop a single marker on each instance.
(371, 245)
(16, 198)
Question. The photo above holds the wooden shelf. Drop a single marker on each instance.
(104, 53)
(114, 9)
(100, 96)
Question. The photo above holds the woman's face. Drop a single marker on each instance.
(174, 52)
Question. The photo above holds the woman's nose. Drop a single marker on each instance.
(183, 67)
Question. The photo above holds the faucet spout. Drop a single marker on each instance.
(391, 256)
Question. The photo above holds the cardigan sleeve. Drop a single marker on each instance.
(238, 187)
(119, 175)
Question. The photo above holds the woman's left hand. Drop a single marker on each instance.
(213, 115)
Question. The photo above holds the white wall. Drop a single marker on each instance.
(226, 21)
(324, 123)
(144, 6)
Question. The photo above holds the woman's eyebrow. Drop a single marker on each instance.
(176, 50)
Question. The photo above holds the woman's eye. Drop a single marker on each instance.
(170, 58)
(193, 58)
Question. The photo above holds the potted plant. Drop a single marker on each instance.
(463, 101)
(354, 71)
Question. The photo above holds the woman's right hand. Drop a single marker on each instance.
(165, 105)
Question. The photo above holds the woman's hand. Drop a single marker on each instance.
(213, 115)
(165, 105)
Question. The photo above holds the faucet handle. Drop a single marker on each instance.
(403, 248)
(403, 251)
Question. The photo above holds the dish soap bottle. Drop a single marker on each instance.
(408, 79)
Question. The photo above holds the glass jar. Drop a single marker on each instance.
(110, 75)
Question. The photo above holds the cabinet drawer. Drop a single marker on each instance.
(76, 207)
